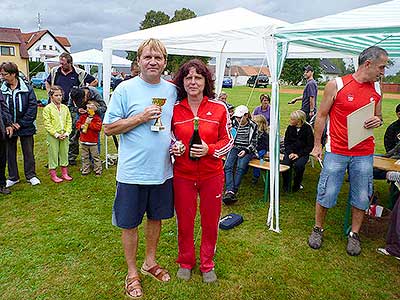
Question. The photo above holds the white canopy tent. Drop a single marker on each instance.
(236, 33)
(93, 57)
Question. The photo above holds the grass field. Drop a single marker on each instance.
(57, 241)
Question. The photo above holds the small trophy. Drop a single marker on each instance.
(158, 126)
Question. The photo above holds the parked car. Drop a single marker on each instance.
(227, 82)
(261, 80)
(39, 80)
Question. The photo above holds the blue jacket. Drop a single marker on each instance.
(22, 106)
(5, 118)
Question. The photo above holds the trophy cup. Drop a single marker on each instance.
(158, 126)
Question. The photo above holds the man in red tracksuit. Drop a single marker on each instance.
(89, 125)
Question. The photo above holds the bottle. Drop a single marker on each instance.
(195, 139)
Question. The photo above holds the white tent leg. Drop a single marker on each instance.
(107, 56)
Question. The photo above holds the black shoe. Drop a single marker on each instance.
(229, 198)
(72, 162)
(4, 190)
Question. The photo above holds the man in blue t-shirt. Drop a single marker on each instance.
(144, 171)
(310, 93)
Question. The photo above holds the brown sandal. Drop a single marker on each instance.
(156, 272)
(133, 284)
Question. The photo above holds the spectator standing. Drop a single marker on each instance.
(343, 96)
(89, 125)
(144, 172)
(6, 130)
(22, 105)
(78, 99)
(299, 141)
(66, 75)
(58, 123)
(310, 94)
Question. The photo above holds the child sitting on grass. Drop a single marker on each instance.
(58, 124)
(89, 125)
(262, 142)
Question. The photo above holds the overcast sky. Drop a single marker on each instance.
(86, 23)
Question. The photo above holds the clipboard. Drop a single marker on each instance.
(356, 132)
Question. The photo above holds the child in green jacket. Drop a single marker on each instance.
(58, 124)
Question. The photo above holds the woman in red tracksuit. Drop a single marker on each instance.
(205, 176)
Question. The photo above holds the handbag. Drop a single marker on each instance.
(230, 221)
(375, 227)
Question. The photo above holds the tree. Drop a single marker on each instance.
(293, 70)
(182, 14)
(156, 18)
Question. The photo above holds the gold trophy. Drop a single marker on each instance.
(158, 126)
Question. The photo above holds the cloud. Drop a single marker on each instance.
(86, 23)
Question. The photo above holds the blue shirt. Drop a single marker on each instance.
(311, 90)
(67, 82)
(143, 155)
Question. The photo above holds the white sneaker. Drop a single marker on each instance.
(10, 183)
(34, 181)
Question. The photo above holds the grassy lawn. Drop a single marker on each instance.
(57, 241)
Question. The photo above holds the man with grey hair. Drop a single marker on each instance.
(144, 172)
(343, 96)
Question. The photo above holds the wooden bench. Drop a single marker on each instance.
(265, 166)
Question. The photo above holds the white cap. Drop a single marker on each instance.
(240, 111)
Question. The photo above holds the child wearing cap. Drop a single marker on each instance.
(89, 125)
(244, 147)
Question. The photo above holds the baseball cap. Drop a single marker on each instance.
(240, 111)
(308, 68)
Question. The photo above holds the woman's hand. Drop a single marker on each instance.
(241, 153)
(177, 149)
(9, 131)
(198, 150)
(293, 156)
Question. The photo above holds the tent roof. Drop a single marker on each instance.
(94, 57)
(351, 31)
(238, 33)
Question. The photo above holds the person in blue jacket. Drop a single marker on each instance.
(21, 102)
(6, 130)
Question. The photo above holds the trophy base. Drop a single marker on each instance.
(157, 128)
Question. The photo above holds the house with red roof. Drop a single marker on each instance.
(43, 44)
(13, 48)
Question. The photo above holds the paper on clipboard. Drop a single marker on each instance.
(355, 125)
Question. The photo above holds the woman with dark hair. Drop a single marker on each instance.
(265, 108)
(22, 105)
(198, 169)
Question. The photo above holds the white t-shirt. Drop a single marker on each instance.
(143, 155)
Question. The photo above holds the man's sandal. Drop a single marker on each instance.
(132, 284)
(156, 272)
